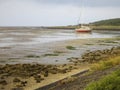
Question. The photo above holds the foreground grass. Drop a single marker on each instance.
(110, 82)
(106, 64)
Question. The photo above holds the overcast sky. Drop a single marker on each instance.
(56, 12)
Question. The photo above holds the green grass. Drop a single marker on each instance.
(32, 56)
(106, 64)
(3, 61)
(54, 54)
(70, 47)
(89, 44)
(110, 82)
(117, 38)
(58, 52)
(110, 42)
(102, 27)
(108, 22)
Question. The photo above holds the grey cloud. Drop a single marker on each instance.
(42, 12)
(89, 3)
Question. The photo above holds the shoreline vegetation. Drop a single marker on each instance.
(110, 81)
(93, 27)
(109, 24)
(31, 76)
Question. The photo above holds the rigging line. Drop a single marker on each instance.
(81, 11)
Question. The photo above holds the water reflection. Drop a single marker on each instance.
(83, 35)
(31, 37)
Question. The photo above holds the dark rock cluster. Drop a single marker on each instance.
(98, 55)
(37, 71)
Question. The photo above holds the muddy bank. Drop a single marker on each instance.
(45, 46)
(53, 53)
(33, 76)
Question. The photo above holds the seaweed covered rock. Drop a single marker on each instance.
(38, 78)
(98, 55)
(16, 80)
(3, 82)
(18, 88)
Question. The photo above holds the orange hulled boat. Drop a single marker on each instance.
(83, 29)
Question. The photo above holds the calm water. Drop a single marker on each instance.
(67, 35)
(21, 37)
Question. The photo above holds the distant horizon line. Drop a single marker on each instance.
(55, 25)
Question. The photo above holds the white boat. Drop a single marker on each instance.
(84, 29)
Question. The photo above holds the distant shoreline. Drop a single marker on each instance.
(111, 28)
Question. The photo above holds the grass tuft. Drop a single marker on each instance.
(106, 64)
(54, 54)
(70, 47)
(32, 56)
(110, 82)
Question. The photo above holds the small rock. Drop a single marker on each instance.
(16, 80)
(18, 88)
(23, 83)
(46, 74)
(3, 82)
(2, 88)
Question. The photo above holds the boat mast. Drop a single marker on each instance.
(79, 22)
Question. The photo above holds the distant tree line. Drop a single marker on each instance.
(111, 22)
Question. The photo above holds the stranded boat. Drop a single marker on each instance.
(83, 29)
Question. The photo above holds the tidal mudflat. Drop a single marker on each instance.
(50, 46)
(51, 54)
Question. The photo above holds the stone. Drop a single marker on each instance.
(16, 80)
(3, 82)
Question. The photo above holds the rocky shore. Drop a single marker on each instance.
(98, 55)
(20, 76)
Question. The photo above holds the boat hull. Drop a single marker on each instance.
(84, 31)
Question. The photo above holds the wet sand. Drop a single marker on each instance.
(49, 53)
(52, 53)
(48, 46)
